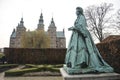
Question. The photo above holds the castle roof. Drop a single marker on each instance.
(60, 34)
(52, 24)
(13, 35)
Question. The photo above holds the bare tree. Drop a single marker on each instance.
(98, 18)
(118, 19)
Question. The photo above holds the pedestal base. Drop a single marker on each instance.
(101, 76)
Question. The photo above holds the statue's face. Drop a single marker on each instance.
(77, 12)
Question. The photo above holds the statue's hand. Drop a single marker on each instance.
(71, 28)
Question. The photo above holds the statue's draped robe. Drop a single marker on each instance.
(82, 51)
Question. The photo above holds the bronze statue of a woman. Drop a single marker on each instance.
(82, 54)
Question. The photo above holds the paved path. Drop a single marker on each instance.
(2, 76)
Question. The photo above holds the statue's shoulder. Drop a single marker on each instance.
(81, 17)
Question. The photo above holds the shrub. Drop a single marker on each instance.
(1, 55)
(35, 55)
(30, 66)
(34, 68)
(8, 66)
(20, 72)
(58, 65)
(5, 67)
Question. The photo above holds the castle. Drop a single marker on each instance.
(57, 38)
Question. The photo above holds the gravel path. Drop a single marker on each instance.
(34, 78)
(2, 76)
(31, 78)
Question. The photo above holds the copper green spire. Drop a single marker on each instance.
(52, 24)
(21, 22)
(41, 21)
(52, 21)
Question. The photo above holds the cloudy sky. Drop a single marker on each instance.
(63, 12)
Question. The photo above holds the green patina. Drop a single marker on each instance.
(82, 54)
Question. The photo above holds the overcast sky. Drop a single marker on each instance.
(63, 12)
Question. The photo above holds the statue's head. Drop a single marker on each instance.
(79, 11)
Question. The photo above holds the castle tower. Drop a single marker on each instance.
(19, 32)
(41, 23)
(12, 39)
(61, 40)
(52, 34)
(57, 38)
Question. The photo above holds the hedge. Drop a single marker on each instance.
(8, 66)
(109, 49)
(5, 67)
(34, 69)
(35, 56)
(20, 72)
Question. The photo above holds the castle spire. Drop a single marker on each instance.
(52, 24)
(41, 21)
(52, 21)
(22, 22)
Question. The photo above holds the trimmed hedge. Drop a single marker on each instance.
(8, 66)
(110, 52)
(20, 72)
(35, 56)
(5, 67)
(34, 69)
(30, 66)
(109, 49)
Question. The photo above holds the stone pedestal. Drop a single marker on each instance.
(101, 76)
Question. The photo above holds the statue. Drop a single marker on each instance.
(82, 54)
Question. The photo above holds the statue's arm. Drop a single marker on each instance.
(71, 28)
